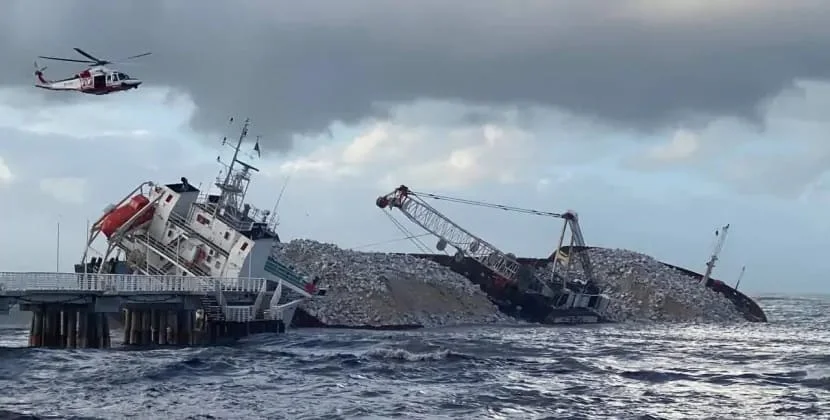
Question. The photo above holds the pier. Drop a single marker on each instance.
(73, 310)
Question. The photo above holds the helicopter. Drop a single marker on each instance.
(95, 80)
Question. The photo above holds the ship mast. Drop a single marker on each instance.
(710, 265)
(741, 276)
(235, 185)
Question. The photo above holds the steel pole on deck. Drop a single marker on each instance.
(88, 237)
(58, 248)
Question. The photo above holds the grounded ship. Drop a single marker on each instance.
(534, 289)
(177, 230)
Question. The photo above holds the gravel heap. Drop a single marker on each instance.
(644, 289)
(376, 289)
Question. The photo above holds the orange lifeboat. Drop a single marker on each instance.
(117, 217)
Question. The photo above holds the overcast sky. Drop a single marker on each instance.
(656, 120)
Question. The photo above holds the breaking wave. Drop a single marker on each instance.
(776, 370)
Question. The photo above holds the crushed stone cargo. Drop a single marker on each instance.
(376, 289)
(642, 288)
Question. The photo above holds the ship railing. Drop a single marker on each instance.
(281, 271)
(170, 253)
(179, 221)
(284, 312)
(260, 297)
(22, 282)
(238, 224)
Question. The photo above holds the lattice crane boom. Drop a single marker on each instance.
(450, 233)
(570, 217)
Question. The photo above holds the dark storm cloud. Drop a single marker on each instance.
(295, 67)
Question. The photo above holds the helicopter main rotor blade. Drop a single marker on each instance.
(85, 54)
(67, 59)
(135, 56)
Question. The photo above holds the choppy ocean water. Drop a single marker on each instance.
(779, 370)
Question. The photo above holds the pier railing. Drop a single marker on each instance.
(23, 282)
(239, 313)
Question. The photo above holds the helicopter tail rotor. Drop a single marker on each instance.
(39, 74)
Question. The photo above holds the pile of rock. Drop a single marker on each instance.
(376, 289)
(644, 289)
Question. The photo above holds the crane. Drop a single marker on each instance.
(416, 209)
(710, 265)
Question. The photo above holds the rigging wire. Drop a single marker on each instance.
(415, 241)
(391, 241)
(489, 205)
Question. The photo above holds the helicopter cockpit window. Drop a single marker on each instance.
(123, 76)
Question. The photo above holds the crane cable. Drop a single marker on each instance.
(406, 238)
(415, 241)
(485, 204)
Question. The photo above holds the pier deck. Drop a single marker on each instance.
(71, 309)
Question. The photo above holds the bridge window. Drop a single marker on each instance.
(244, 246)
(202, 219)
(169, 197)
(227, 235)
(169, 233)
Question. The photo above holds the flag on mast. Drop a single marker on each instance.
(256, 147)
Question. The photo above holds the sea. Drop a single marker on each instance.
(779, 370)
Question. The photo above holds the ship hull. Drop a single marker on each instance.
(536, 308)
(528, 306)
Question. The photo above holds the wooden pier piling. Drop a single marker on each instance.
(162, 333)
(66, 327)
(73, 330)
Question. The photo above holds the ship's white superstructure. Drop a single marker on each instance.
(178, 230)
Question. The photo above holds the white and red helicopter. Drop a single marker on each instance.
(95, 80)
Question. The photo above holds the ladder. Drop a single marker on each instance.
(213, 310)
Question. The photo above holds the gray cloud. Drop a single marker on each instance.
(295, 67)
